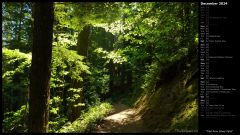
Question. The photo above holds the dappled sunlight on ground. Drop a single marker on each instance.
(122, 116)
(123, 120)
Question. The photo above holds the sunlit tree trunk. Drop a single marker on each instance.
(40, 68)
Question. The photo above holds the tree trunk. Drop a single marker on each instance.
(40, 68)
(129, 78)
(18, 34)
(111, 75)
(29, 33)
(123, 72)
(82, 49)
(83, 41)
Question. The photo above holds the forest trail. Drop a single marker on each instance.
(123, 120)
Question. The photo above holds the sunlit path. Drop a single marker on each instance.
(123, 120)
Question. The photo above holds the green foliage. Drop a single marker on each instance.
(65, 40)
(65, 30)
(131, 45)
(66, 63)
(15, 121)
(15, 75)
(186, 119)
(158, 69)
(152, 76)
(75, 95)
(66, 66)
(57, 119)
(55, 103)
(72, 17)
(17, 25)
(87, 119)
(115, 56)
(98, 82)
(156, 29)
(56, 124)
(14, 62)
(98, 86)
(95, 13)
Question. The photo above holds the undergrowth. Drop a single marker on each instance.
(87, 120)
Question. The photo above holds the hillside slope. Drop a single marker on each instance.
(172, 105)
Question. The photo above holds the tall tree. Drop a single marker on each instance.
(83, 44)
(83, 41)
(40, 68)
(17, 25)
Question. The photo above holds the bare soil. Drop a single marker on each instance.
(123, 120)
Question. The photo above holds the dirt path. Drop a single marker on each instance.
(123, 120)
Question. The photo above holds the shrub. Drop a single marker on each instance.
(87, 119)
(15, 78)
(15, 121)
